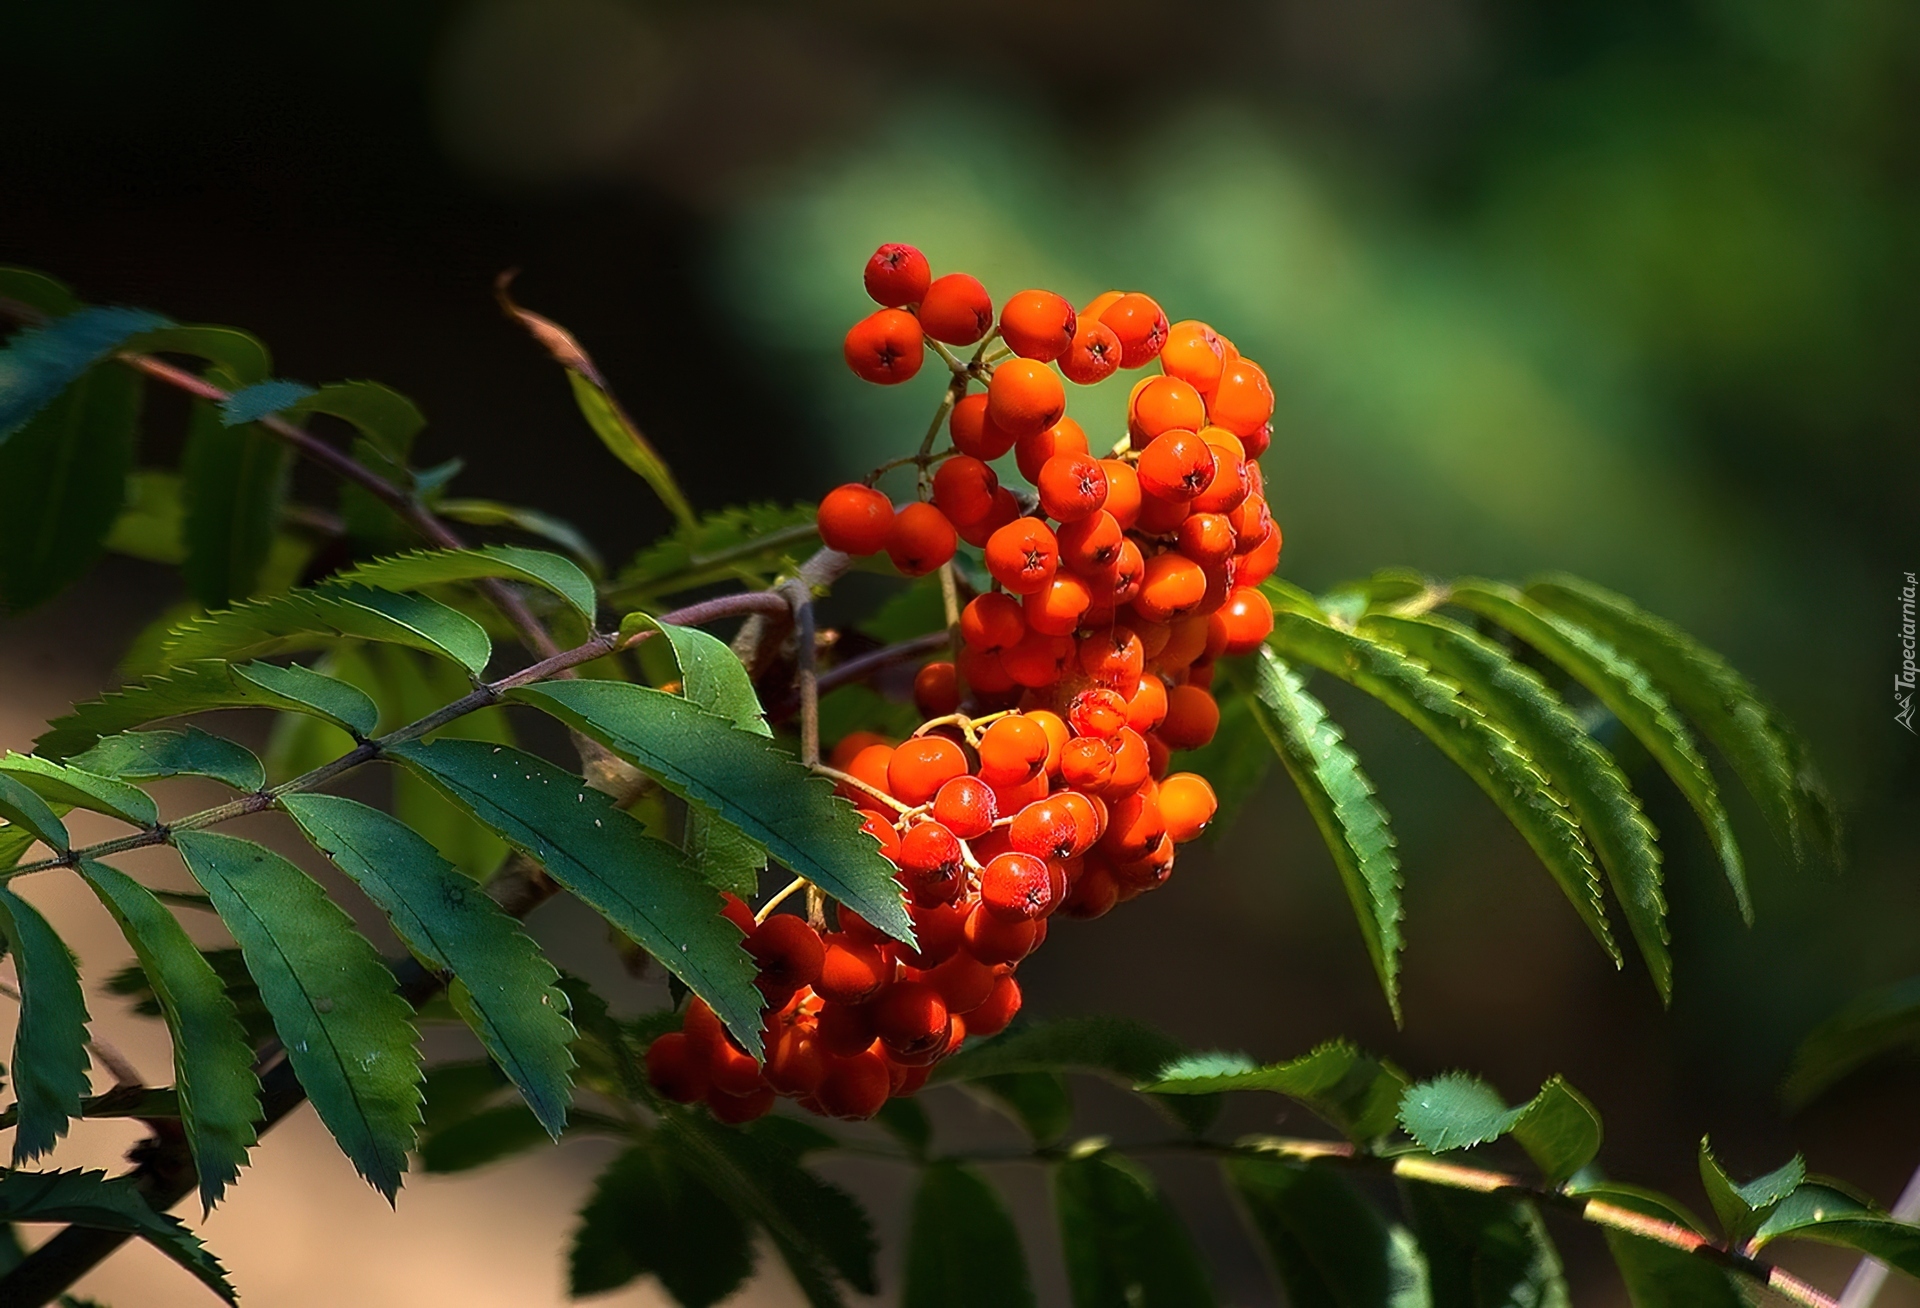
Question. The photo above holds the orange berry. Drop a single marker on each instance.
(1123, 492)
(882, 830)
(1186, 642)
(1113, 658)
(1206, 538)
(1025, 397)
(1093, 894)
(1038, 325)
(1016, 887)
(1086, 763)
(1188, 804)
(1164, 404)
(885, 347)
(1072, 486)
(940, 929)
(963, 489)
(1045, 829)
(1194, 353)
(1258, 441)
(1230, 485)
(921, 540)
(999, 1008)
(855, 519)
(973, 431)
(1090, 545)
(984, 673)
(1038, 660)
(956, 309)
(1099, 305)
(932, 869)
(731, 1069)
(1094, 354)
(991, 622)
(1140, 325)
(851, 971)
(1159, 516)
(1172, 586)
(1252, 522)
(1258, 565)
(1058, 734)
(1005, 509)
(844, 1029)
(897, 275)
(1136, 825)
(735, 910)
(677, 1069)
(1098, 712)
(1177, 466)
(796, 1064)
(936, 689)
(1243, 401)
(1056, 610)
(965, 806)
(994, 939)
(964, 982)
(1023, 555)
(1192, 718)
(1030, 453)
(870, 765)
(1130, 763)
(1247, 618)
(920, 766)
(1148, 707)
(1013, 750)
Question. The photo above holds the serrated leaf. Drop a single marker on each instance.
(386, 418)
(519, 1014)
(28, 815)
(92, 1199)
(1329, 1247)
(1341, 799)
(1814, 1211)
(211, 684)
(143, 755)
(1658, 1275)
(743, 777)
(50, 1043)
(241, 355)
(1125, 1246)
(234, 480)
(406, 572)
(319, 615)
(1869, 1026)
(63, 480)
(212, 1061)
(263, 399)
(1354, 1092)
(1766, 753)
(347, 1033)
(603, 857)
(963, 1250)
(821, 1231)
(649, 1215)
(39, 363)
(1116, 1047)
(1475, 744)
(1578, 768)
(227, 964)
(1040, 1102)
(1485, 1251)
(77, 788)
(747, 543)
(557, 531)
(1743, 1209)
(1630, 695)
(1557, 1127)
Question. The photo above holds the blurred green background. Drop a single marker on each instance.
(1627, 289)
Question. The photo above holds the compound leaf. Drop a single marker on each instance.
(558, 531)
(1743, 1209)
(1040, 1102)
(77, 788)
(241, 355)
(405, 572)
(1125, 1246)
(1116, 1047)
(92, 1199)
(29, 818)
(1330, 1248)
(234, 480)
(39, 363)
(649, 1215)
(747, 543)
(1657, 1275)
(319, 615)
(143, 755)
(50, 1044)
(962, 1248)
(1354, 1092)
(349, 1035)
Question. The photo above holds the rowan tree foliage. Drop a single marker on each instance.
(839, 879)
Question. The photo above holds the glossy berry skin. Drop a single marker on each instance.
(1192, 718)
(855, 519)
(1023, 555)
(1057, 609)
(1093, 355)
(1243, 402)
(921, 539)
(885, 347)
(956, 309)
(965, 806)
(1072, 487)
(897, 275)
(1045, 829)
(1013, 751)
(991, 622)
(920, 766)
(911, 1019)
(856, 1088)
(930, 862)
(1091, 544)
(1194, 353)
(1176, 466)
(1164, 404)
(999, 1008)
(851, 972)
(1246, 621)
(1025, 397)
(1016, 887)
(1140, 325)
(1038, 325)
(1172, 586)
(1187, 804)
(974, 433)
(963, 488)
(936, 689)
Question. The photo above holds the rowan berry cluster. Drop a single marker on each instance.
(1040, 781)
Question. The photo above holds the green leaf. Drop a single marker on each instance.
(63, 479)
(618, 433)
(906, 1121)
(1875, 1023)
(347, 1033)
(1578, 768)
(602, 856)
(1831, 1216)
(1040, 1102)
(1557, 1127)
(1341, 799)
(1329, 1247)
(1116, 1047)
(212, 1061)
(1125, 1247)
(649, 1215)
(227, 964)
(518, 1012)
(1743, 1209)
(28, 814)
(1485, 1251)
(820, 1231)
(1478, 746)
(482, 1138)
(91, 1199)
(152, 522)
(963, 1250)
(234, 479)
(77, 788)
(1630, 695)
(1658, 1275)
(50, 1044)
(1766, 753)
(39, 363)
(211, 684)
(1354, 1092)
(39, 291)
(748, 543)
(406, 572)
(304, 619)
(241, 355)
(143, 755)
(745, 779)
(385, 417)
(557, 531)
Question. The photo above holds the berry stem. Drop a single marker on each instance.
(787, 892)
(848, 779)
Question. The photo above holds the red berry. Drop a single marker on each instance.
(897, 275)
(855, 519)
(885, 347)
(1017, 886)
(677, 1069)
(956, 309)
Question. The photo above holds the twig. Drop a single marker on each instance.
(865, 665)
(806, 658)
(1863, 1287)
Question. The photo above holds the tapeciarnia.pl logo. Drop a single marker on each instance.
(1904, 678)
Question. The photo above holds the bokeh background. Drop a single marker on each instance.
(1622, 288)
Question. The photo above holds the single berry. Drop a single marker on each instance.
(1094, 354)
(956, 309)
(898, 275)
(1016, 887)
(936, 689)
(677, 1069)
(963, 489)
(1140, 325)
(921, 539)
(1188, 804)
(855, 519)
(1177, 466)
(1025, 397)
(1038, 325)
(885, 347)
(1192, 718)
(973, 431)
(1072, 487)
(1023, 555)
(1013, 750)
(920, 766)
